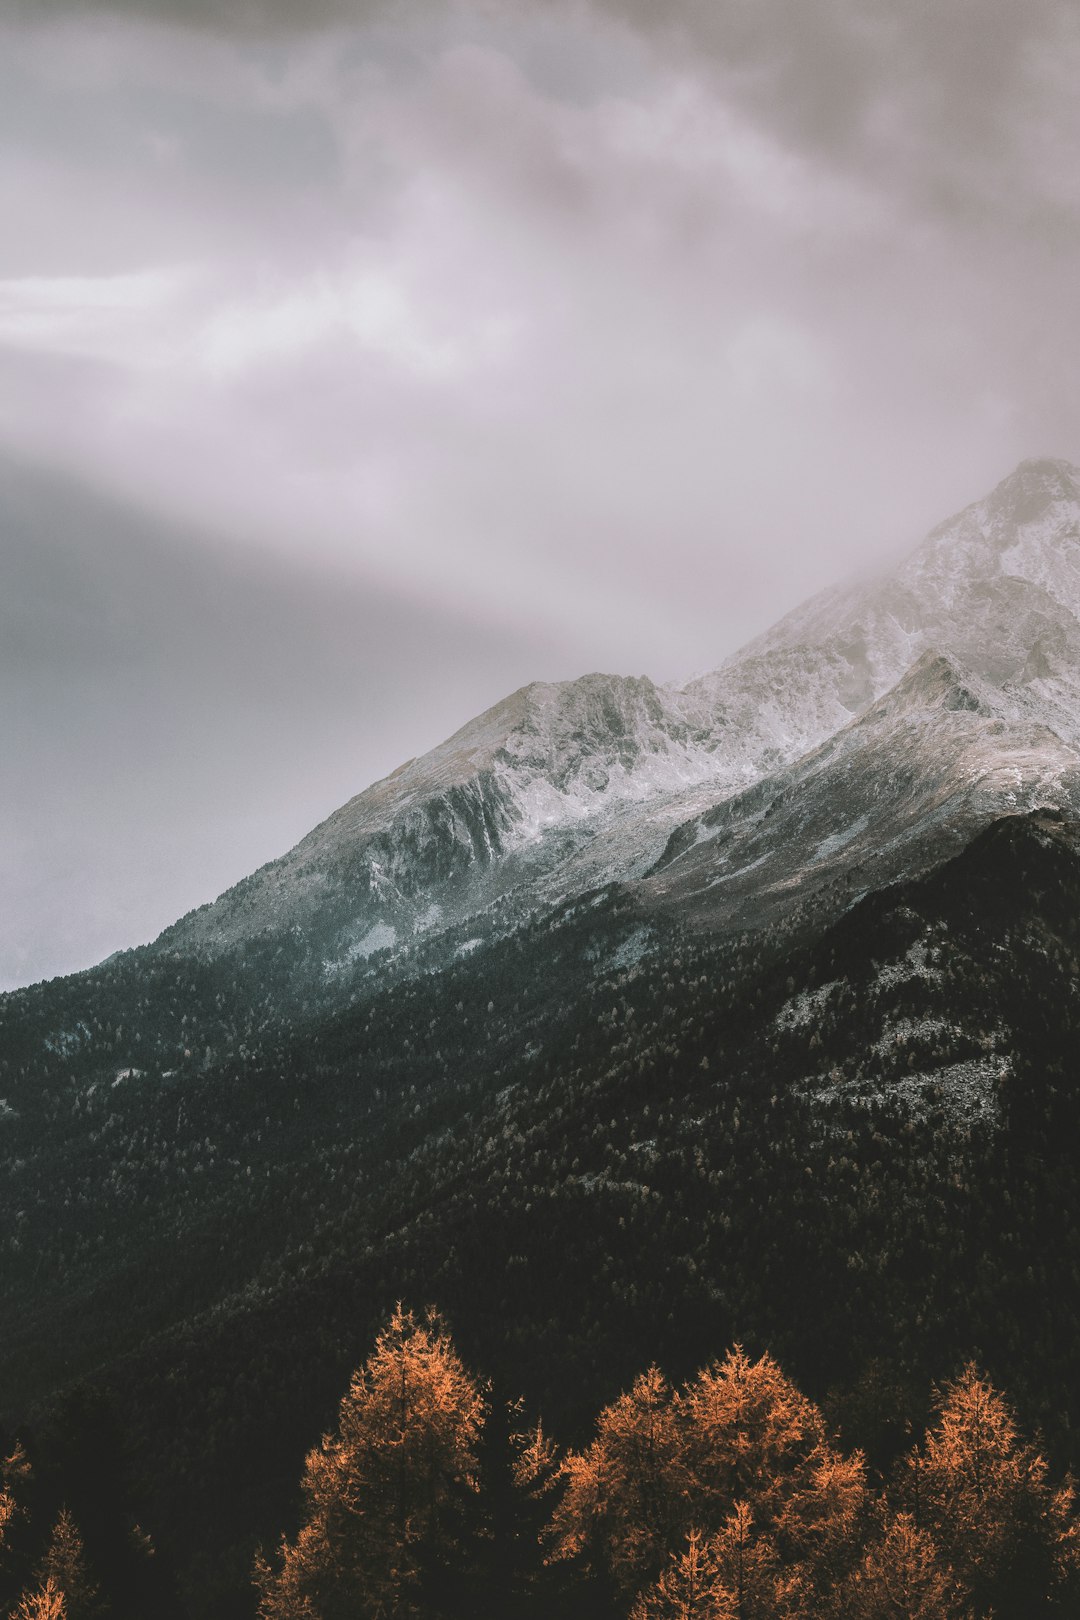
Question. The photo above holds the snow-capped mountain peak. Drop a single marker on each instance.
(564, 785)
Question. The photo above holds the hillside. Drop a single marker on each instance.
(630, 1023)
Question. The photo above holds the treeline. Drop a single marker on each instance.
(61, 1587)
(725, 1499)
(49, 1570)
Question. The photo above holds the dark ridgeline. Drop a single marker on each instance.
(805, 1085)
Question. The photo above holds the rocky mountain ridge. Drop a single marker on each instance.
(561, 788)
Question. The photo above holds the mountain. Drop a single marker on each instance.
(630, 1022)
(563, 788)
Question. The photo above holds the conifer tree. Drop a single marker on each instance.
(533, 1470)
(45, 1602)
(64, 1565)
(15, 1479)
(752, 1436)
(623, 1500)
(386, 1496)
(902, 1576)
(7, 1514)
(734, 1575)
(687, 1588)
(740, 1446)
(984, 1494)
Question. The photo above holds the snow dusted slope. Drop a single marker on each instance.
(901, 788)
(516, 788)
(561, 788)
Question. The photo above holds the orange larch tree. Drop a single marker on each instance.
(45, 1602)
(985, 1496)
(902, 1576)
(753, 1437)
(740, 1449)
(65, 1566)
(387, 1495)
(735, 1574)
(623, 1503)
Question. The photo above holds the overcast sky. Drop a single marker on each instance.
(359, 362)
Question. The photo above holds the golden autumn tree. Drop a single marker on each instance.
(520, 1511)
(386, 1495)
(753, 1437)
(623, 1501)
(7, 1514)
(64, 1565)
(985, 1496)
(686, 1590)
(45, 1602)
(15, 1477)
(740, 1452)
(61, 1587)
(902, 1576)
(735, 1574)
(535, 1459)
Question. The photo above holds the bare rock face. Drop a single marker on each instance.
(882, 723)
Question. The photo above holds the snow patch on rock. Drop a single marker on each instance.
(916, 963)
(806, 1007)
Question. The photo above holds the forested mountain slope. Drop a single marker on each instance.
(838, 1151)
(631, 1023)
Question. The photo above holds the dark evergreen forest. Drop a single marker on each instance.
(851, 1149)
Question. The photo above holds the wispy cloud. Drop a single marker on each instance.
(100, 317)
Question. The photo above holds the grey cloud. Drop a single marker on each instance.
(935, 104)
(250, 17)
(933, 100)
